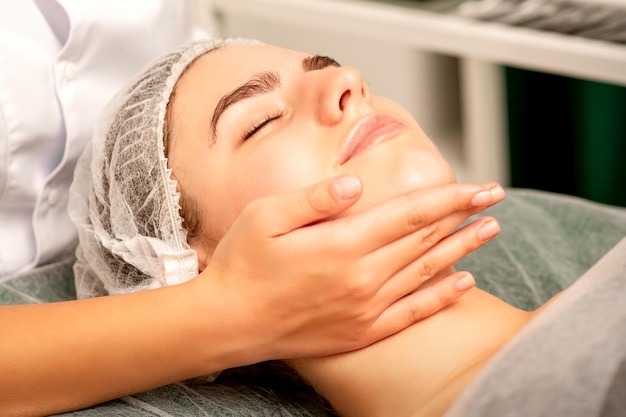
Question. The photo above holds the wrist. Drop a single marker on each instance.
(225, 330)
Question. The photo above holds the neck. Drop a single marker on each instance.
(421, 370)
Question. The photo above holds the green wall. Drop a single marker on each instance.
(567, 135)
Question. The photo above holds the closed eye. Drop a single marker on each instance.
(256, 127)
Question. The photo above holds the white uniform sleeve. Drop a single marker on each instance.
(61, 78)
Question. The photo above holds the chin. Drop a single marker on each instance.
(380, 188)
(397, 167)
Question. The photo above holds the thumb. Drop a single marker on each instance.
(311, 204)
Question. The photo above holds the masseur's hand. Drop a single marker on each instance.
(303, 286)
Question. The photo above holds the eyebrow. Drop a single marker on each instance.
(263, 83)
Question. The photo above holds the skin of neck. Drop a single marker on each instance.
(422, 369)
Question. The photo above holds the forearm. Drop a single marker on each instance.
(63, 356)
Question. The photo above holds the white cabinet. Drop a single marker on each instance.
(445, 69)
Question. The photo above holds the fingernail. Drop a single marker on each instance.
(464, 283)
(482, 198)
(497, 193)
(488, 230)
(346, 187)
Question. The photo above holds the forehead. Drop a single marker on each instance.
(224, 69)
(218, 73)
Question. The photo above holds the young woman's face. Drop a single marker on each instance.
(248, 121)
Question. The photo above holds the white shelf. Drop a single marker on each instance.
(445, 69)
(538, 50)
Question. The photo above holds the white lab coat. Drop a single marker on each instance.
(60, 62)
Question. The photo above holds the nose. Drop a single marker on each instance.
(342, 90)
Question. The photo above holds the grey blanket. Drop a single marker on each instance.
(548, 241)
(569, 361)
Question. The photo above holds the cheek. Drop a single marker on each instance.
(275, 172)
(263, 171)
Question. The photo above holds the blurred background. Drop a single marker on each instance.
(530, 93)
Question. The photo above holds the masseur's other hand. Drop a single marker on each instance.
(308, 287)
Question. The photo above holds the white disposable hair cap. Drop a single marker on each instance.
(123, 199)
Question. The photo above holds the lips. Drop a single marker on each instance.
(369, 132)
